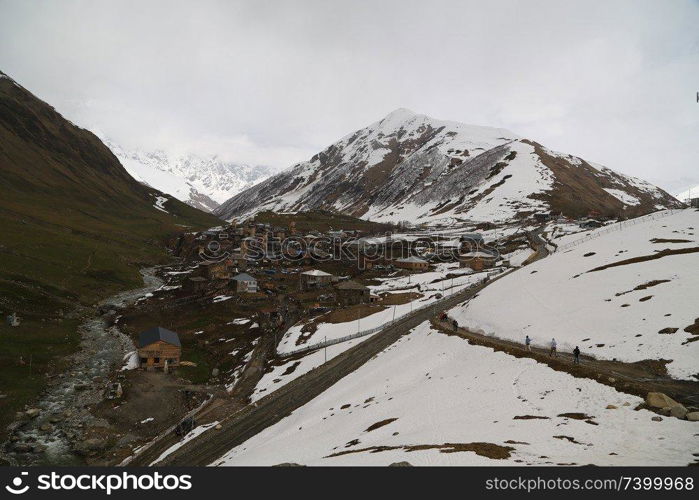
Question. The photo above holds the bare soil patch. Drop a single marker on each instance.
(646, 258)
(380, 424)
(488, 450)
(643, 286)
(669, 240)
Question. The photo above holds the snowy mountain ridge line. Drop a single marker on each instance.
(200, 181)
(409, 166)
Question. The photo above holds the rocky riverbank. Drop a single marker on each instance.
(59, 429)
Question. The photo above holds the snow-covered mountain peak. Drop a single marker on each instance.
(409, 166)
(201, 181)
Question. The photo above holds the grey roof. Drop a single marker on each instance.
(412, 258)
(243, 277)
(156, 334)
(316, 272)
(471, 236)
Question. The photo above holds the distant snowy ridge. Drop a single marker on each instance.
(412, 167)
(203, 182)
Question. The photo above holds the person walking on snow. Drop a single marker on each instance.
(553, 349)
(576, 355)
(528, 343)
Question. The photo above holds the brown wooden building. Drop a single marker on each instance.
(314, 279)
(159, 348)
(413, 263)
(351, 293)
(477, 260)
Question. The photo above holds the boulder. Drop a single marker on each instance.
(21, 448)
(32, 412)
(89, 446)
(693, 416)
(678, 411)
(657, 419)
(659, 400)
(401, 464)
(611, 407)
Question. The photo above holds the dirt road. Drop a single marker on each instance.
(637, 378)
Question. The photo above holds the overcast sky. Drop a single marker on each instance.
(273, 82)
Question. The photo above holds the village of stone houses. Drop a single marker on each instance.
(421, 292)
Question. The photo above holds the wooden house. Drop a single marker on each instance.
(412, 263)
(351, 293)
(477, 260)
(314, 279)
(195, 284)
(217, 270)
(244, 283)
(159, 348)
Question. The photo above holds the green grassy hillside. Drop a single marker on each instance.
(322, 220)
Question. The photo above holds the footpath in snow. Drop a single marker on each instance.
(433, 399)
(628, 294)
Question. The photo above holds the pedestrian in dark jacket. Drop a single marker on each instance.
(528, 343)
(456, 324)
(576, 355)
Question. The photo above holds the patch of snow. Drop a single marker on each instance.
(440, 389)
(607, 313)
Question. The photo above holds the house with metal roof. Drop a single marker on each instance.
(315, 278)
(159, 348)
(244, 283)
(413, 263)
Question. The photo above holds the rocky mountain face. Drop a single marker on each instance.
(203, 182)
(412, 167)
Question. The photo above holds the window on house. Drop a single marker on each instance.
(156, 360)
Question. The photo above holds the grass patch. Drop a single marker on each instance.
(44, 347)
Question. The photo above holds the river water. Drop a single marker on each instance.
(65, 403)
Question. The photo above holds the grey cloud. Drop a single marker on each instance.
(272, 82)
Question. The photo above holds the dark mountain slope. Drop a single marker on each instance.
(74, 223)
